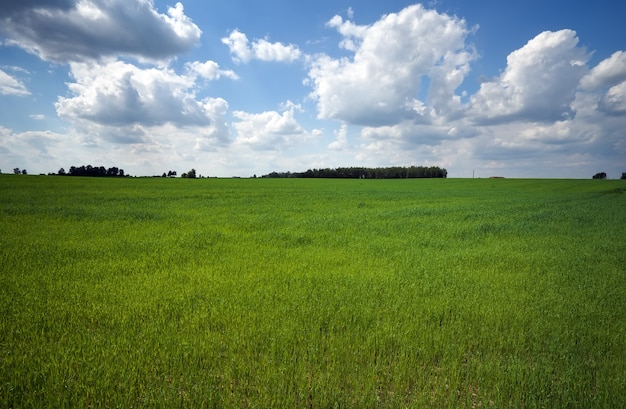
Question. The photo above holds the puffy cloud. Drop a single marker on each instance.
(341, 142)
(10, 85)
(614, 101)
(11, 7)
(608, 72)
(411, 134)
(606, 82)
(269, 130)
(116, 93)
(63, 32)
(378, 85)
(209, 70)
(43, 149)
(244, 51)
(538, 84)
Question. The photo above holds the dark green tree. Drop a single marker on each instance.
(190, 175)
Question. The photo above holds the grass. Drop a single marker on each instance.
(312, 293)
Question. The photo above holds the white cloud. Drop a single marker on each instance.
(614, 101)
(116, 93)
(209, 70)
(607, 73)
(244, 51)
(100, 28)
(352, 33)
(10, 85)
(379, 84)
(341, 142)
(34, 150)
(538, 84)
(269, 130)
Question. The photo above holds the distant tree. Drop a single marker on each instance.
(190, 175)
(395, 172)
(623, 175)
(171, 174)
(24, 172)
(61, 172)
(16, 171)
(599, 175)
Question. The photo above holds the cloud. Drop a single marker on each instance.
(379, 84)
(116, 93)
(341, 142)
(269, 130)
(614, 101)
(31, 148)
(244, 51)
(607, 83)
(411, 134)
(209, 70)
(81, 30)
(12, 7)
(538, 84)
(10, 85)
(607, 73)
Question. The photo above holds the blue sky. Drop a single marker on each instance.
(514, 89)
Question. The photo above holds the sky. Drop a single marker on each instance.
(533, 89)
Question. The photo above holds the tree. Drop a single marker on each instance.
(599, 175)
(623, 175)
(16, 171)
(61, 172)
(190, 175)
(24, 172)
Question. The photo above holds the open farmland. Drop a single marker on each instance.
(312, 293)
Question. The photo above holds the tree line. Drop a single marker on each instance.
(395, 172)
(88, 170)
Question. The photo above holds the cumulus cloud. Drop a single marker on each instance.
(410, 134)
(10, 85)
(66, 31)
(608, 72)
(379, 84)
(607, 83)
(243, 51)
(341, 142)
(209, 70)
(12, 7)
(269, 130)
(116, 93)
(614, 101)
(538, 84)
(31, 147)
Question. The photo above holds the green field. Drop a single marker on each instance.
(308, 293)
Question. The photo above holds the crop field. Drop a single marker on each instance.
(312, 293)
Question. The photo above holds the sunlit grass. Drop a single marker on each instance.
(312, 293)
